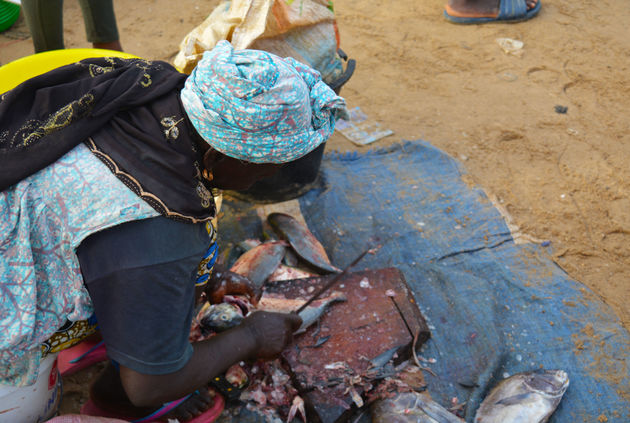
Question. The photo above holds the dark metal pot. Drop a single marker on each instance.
(295, 178)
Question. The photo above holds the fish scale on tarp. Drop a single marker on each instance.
(494, 308)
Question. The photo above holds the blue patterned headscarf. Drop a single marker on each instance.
(258, 107)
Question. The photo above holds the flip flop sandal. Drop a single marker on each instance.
(80, 356)
(510, 11)
(209, 416)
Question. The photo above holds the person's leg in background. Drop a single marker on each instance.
(44, 19)
(100, 24)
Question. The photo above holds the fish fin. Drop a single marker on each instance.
(302, 240)
(515, 399)
(321, 341)
(383, 358)
(435, 411)
(338, 297)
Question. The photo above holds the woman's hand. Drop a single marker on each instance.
(271, 332)
(223, 282)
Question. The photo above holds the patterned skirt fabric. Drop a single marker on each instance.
(43, 219)
(70, 334)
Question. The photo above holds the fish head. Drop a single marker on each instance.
(550, 383)
(407, 407)
(220, 317)
(237, 376)
(396, 408)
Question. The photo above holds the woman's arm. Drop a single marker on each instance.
(261, 335)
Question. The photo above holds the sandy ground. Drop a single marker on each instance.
(561, 177)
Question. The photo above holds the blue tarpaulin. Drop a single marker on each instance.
(495, 308)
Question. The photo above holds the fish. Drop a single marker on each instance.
(290, 258)
(269, 392)
(309, 315)
(285, 273)
(383, 358)
(248, 244)
(320, 341)
(237, 376)
(219, 317)
(226, 282)
(260, 262)
(411, 407)
(303, 242)
(297, 407)
(529, 397)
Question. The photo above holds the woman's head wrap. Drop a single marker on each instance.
(255, 106)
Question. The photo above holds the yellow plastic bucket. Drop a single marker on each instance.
(18, 71)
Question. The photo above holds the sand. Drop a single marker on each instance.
(560, 177)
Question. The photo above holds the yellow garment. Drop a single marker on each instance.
(68, 336)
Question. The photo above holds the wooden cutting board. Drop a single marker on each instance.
(349, 336)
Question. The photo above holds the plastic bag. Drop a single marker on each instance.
(303, 29)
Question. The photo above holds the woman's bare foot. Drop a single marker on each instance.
(108, 394)
(478, 8)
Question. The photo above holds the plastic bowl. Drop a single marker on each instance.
(18, 71)
(9, 13)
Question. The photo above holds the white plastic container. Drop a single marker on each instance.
(35, 403)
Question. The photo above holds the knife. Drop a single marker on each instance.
(334, 280)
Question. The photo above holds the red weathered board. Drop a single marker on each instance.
(367, 325)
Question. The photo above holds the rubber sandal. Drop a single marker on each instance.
(82, 355)
(209, 416)
(510, 11)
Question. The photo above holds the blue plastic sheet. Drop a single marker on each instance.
(495, 308)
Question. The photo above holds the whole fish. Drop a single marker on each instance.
(529, 397)
(260, 262)
(411, 407)
(219, 317)
(302, 240)
(309, 315)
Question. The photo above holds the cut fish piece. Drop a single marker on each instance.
(302, 240)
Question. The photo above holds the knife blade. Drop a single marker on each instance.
(333, 281)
